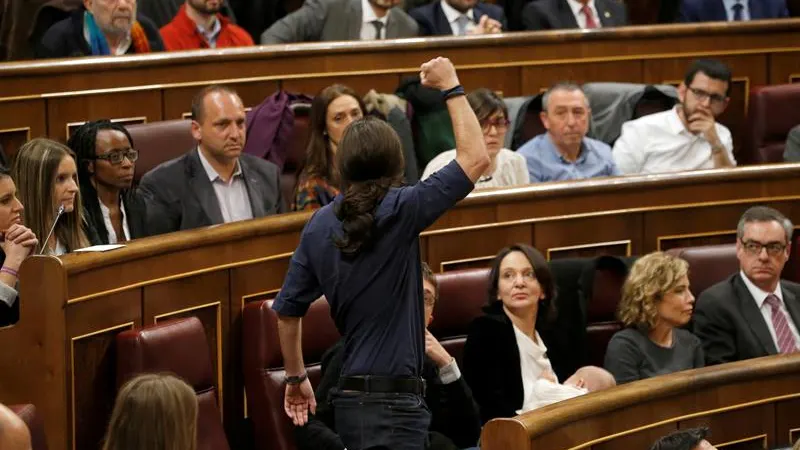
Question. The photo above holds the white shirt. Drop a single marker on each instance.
(730, 12)
(511, 169)
(580, 17)
(453, 14)
(112, 235)
(533, 361)
(760, 297)
(234, 202)
(661, 143)
(367, 17)
(211, 34)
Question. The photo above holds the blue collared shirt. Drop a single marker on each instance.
(729, 9)
(376, 296)
(545, 163)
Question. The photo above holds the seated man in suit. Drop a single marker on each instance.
(214, 183)
(564, 152)
(14, 434)
(101, 28)
(455, 422)
(686, 137)
(342, 20)
(731, 10)
(792, 151)
(582, 14)
(458, 17)
(753, 313)
(199, 24)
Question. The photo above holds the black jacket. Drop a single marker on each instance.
(65, 38)
(454, 415)
(9, 315)
(135, 215)
(433, 22)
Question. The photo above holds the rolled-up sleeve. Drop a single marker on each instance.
(8, 294)
(300, 287)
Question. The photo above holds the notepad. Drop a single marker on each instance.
(100, 248)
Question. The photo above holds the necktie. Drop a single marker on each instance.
(461, 23)
(783, 334)
(738, 10)
(590, 23)
(378, 27)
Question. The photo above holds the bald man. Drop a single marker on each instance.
(14, 434)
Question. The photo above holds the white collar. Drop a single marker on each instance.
(212, 174)
(758, 294)
(577, 6)
(368, 14)
(453, 14)
(675, 123)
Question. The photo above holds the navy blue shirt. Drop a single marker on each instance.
(375, 296)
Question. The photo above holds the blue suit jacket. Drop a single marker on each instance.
(433, 22)
(714, 10)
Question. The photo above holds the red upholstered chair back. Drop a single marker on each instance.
(773, 111)
(708, 264)
(35, 425)
(462, 295)
(179, 347)
(158, 142)
(262, 365)
(296, 155)
(601, 313)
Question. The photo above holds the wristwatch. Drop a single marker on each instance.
(296, 380)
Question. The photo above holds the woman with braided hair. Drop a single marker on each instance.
(106, 161)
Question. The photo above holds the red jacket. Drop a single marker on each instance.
(182, 34)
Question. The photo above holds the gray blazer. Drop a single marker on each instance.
(179, 195)
(792, 151)
(333, 20)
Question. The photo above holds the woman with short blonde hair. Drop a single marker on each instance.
(153, 412)
(656, 302)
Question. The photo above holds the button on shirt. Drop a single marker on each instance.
(661, 143)
(760, 296)
(729, 8)
(577, 10)
(545, 162)
(453, 15)
(234, 202)
(211, 34)
(367, 17)
(112, 235)
(376, 296)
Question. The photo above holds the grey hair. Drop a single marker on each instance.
(764, 214)
(562, 86)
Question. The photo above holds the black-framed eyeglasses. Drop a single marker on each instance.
(499, 124)
(117, 156)
(754, 247)
(716, 99)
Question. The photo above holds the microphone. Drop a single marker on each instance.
(59, 212)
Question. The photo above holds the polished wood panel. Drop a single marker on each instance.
(21, 121)
(212, 272)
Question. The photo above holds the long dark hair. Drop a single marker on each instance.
(369, 161)
(84, 144)
(319, 157)
(543, 275)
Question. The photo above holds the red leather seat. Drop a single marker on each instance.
(179, 347)
(262, 365)
(158, 142)
(35, 425)
(708, 264)
(601, 313)
(772, 113)
(462, 295)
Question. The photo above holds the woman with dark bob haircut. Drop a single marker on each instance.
(505, 360)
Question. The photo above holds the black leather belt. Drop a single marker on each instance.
(383, 385)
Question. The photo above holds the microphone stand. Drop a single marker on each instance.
(59, 212)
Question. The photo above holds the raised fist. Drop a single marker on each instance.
(439, 73)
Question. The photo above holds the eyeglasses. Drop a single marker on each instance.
(116, 157)
(754, 248)
(702, 95)
(499, 124)
(430, 300)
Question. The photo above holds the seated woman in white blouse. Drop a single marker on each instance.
(505, 359)
(106, 162)
(507, 168)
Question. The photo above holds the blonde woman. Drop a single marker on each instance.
(47, 179)
(656, 302)
(153, 412)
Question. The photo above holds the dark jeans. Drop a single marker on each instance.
(381, 421)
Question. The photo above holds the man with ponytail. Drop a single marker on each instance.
(362, 253)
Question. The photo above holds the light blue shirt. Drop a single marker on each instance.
(729, 9)
(545, 163)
